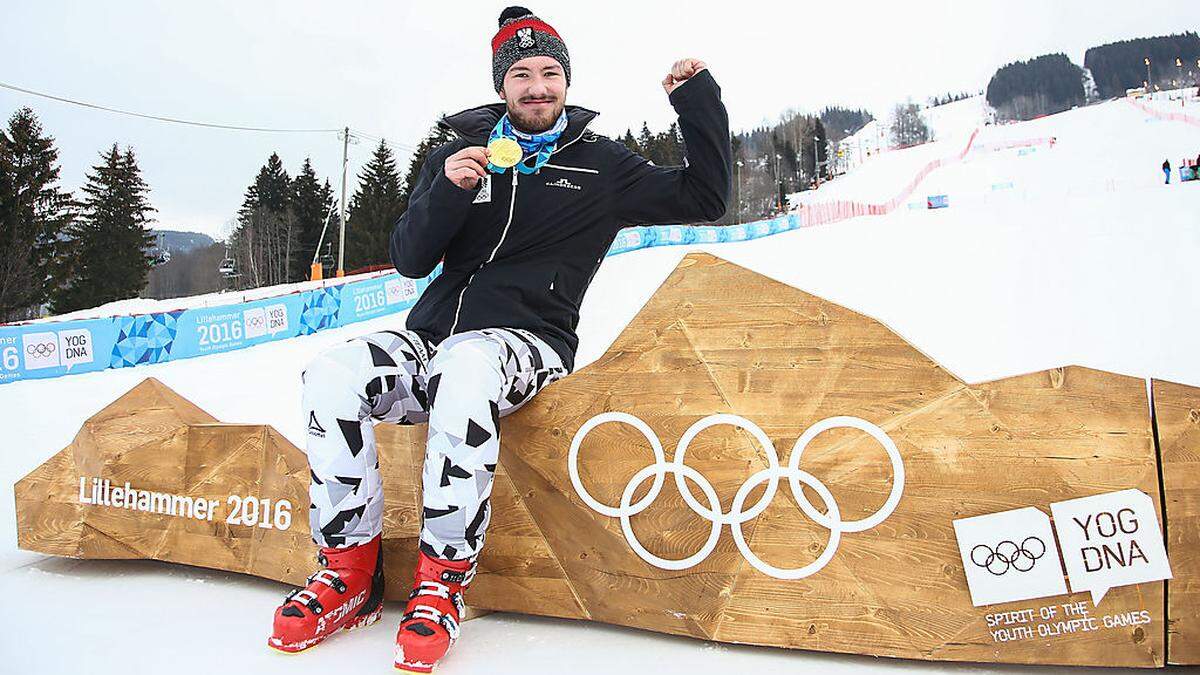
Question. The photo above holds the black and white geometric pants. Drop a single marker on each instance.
(461, 387)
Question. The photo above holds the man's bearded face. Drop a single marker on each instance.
(535, 92)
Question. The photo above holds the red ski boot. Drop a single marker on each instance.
(347, 594)
(430, 622)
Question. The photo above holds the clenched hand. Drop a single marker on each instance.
(465, 167)
(681, 72)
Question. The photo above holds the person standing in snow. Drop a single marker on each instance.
(1167, 170)
(521, 208)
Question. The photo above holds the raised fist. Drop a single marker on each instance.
(683, 70)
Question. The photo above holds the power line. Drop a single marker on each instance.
(210, 125)
(160, 118)
(377, 139)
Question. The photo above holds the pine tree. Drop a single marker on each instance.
(1041, 86)
(34, 213)
(822, 146)
(373, 210)
(311, 203)
(435, 138)
(646, 142)
(271, 188)
(266, 239)
(109, 241)
(631, 142)
(734, 213)
(669, 147)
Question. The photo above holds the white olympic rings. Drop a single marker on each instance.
(831, 520)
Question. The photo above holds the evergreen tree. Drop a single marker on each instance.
(821, 141)
(1042, 86)
(646, 141)
(373, 211)
(311, 203)
(734, 214)
(272, 189)
(266, 239)
(842, 122)
(34, 213)
(109, 241)
(434, 139)
(668, 147)
(1121, 65)
(631, 142)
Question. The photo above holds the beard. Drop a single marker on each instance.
(533, 121)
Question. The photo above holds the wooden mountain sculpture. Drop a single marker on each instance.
(848, 547)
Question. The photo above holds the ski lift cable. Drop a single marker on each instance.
(162, 118)
(210, 125)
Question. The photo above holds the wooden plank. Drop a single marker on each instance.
(1177, 416)
(714, 339)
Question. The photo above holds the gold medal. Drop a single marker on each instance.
(504, 152)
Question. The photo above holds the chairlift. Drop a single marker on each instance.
(228, 267)
(163, 256)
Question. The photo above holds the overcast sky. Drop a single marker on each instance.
(390, 68)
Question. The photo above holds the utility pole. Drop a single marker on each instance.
(1179, 67)
(341, 268)
(816, 161)
(1147, 60)
(779, 183)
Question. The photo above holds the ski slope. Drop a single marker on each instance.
(1086, 259)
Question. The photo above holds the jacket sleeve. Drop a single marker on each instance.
(437, 210)
(700, 190)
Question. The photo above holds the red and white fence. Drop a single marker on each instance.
(822, 213)
(1164, 115)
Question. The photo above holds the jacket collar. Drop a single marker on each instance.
(475, 124)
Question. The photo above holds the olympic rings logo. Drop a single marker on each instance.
(1008, 554)
(830, 520)
(41, 349)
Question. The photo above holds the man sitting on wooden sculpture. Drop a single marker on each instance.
(522, 207)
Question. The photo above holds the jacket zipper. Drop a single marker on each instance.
(511, 207)
(512, 203)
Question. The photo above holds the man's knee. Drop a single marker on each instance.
(335, 371)
(474, 360)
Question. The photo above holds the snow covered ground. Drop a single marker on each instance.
(1086, 259)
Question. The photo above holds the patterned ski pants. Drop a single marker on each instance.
(461, 387)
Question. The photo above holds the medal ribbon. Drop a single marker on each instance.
(534, 146)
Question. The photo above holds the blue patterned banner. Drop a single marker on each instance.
(52, 349)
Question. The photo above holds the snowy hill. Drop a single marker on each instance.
(1082, 256)
(180, 242)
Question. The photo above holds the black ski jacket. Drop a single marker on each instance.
(521, 249)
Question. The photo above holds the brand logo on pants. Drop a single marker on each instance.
(314, 427)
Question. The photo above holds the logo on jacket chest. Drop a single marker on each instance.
(563, 183)
(484, 195)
